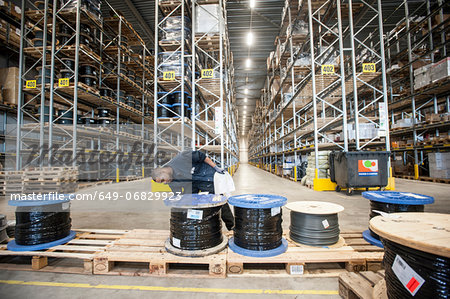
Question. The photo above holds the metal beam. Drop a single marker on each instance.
(147, 30)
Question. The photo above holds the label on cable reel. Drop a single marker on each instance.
(195, 214)
(176, 242)
(65, 205)
(275, 211)
(407, 276)
(325, 224)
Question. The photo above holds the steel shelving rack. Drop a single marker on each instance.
(324, 101)
(129, 136)
(418, 38)
(211, 126)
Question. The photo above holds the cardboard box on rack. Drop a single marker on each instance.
(440, 70)
(9, 80)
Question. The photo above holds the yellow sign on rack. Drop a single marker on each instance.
(63, 82)
(327, 69)
(207, 73)
(30, 84)
(169, 76)
(369, 68)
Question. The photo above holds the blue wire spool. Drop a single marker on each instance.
(391, 201)
(257, 201)
(401, 198)
(37, 201)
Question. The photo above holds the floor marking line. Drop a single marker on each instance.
(169, 289)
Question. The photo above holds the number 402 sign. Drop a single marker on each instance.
(207, 73)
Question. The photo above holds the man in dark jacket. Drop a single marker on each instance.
(192, 172)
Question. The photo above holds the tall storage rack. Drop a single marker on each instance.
(76, 35)
(420, 106)
(193, 64)
(318, 85)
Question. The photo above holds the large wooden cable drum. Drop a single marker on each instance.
(417, 254)
(314, 223)
(258, 231)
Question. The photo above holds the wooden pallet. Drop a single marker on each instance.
(364, 285)
(424, 179)
(75, 256)
(93, 184)
(351, 253)
(141, 252)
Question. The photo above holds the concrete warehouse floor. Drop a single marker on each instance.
(129, 214)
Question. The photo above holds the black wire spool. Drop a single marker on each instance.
(87, 120)
(3, 227)
(47, 80)
(195, 234)
(42, 224)
(85, 28)
(89, 80)
(137, 104)
(257, 229)
(65, 29)
(416, 254)
(163, 110)
(103, 112)
(130, 100)
(314, 223)
(106, 92)
(105, 121)
(85, 39)
(65, 117)
(108, 67)
(68, 63)
(88, 69)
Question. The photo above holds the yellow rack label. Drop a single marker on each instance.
(327, 69)
(63, 82)
(30, 84)
(369, 68)
(169, 76)
(207, 73)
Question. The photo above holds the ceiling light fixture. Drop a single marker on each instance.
(246, 91)
(245, 100)
(252, 3)
(250, 38)
(248, 63)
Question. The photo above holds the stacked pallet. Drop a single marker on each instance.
(13, 182)
(42, 180)
(50, 179)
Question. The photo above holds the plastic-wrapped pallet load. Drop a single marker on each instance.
(207, 18)
(323, 170)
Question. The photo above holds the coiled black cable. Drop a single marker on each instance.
(314, 229)
(257, 229)
(41, 224)
(434, 269)
(196, 234)
(390, 208)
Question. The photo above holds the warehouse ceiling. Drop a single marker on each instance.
(264, 20)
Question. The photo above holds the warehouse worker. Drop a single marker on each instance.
(192, 172)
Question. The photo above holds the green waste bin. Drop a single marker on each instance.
(361, 169)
